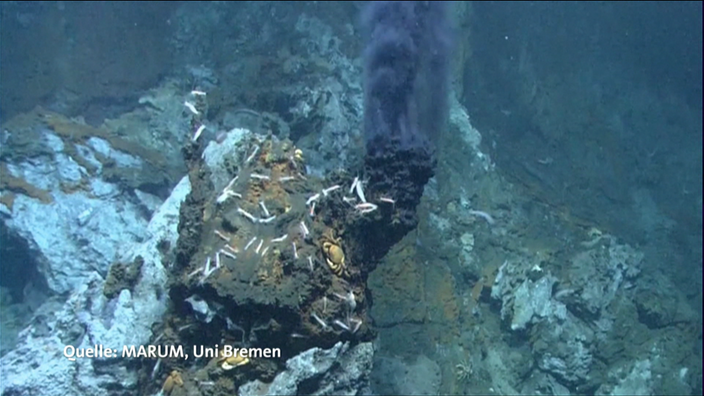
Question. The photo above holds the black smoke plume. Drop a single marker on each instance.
(406, 66)
(405, 74)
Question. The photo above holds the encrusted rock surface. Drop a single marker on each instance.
(340, 370)
(88, 318)
(263, 254)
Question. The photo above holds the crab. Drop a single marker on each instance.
(333, 253)
(173, 380)
(235, 360)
